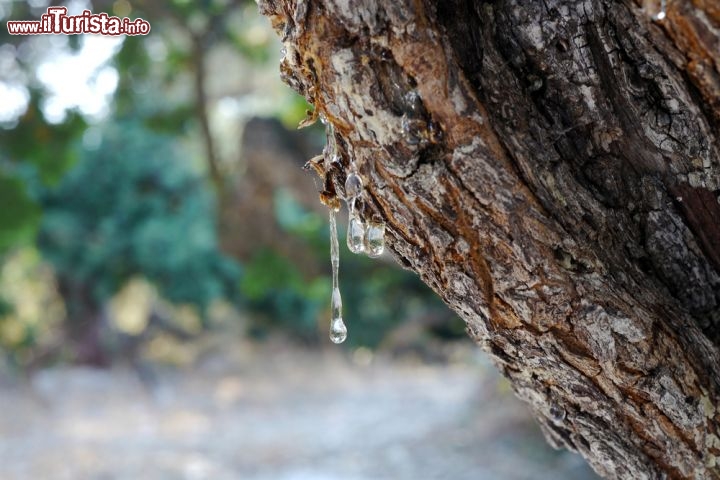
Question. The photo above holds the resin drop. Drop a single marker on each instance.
(414, 102)
(662, 13)
(355, 233)
(410, 131)
(557, 413)
(353, 186)
(338, 331)
(375, 239)
(535, 83)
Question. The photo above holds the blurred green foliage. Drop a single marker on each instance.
(133, 205)
(36, 146)
(41, 144)
(19, 216)
(280, 296)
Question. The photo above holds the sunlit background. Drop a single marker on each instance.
(165, 279)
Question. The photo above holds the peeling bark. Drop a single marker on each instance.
(552, 170)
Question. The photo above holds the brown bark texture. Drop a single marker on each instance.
(552, 170)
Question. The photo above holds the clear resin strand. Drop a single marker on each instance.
(353, 186)
(338, 331)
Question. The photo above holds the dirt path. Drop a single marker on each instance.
(274, 414)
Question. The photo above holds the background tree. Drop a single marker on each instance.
(131, 207)
(552, 170)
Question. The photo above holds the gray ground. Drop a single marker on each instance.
(275, 413)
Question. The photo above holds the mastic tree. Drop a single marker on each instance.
(552, 170)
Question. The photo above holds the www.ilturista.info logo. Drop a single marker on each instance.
(57, 21)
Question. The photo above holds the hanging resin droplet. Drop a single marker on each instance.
(662, 13)
(355, 233)
(375, 239)
(338, 331)
(353, 186)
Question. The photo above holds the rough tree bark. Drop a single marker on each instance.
(556, 179)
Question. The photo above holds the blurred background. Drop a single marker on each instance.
(165, 279)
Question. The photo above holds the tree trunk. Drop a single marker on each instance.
(84, 323)
(552, 170)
